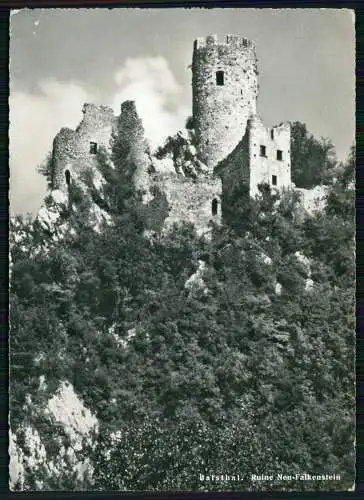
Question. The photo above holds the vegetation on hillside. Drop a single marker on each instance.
(312, 160)
(250, 372)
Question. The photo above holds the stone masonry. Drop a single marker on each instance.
(262, 157)
(197, 201)
(74, 150)
(232, 142)
(224, 93)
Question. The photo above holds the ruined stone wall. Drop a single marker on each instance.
(71, 148)
(264, 166)
(314, 199)
(234, 171)
(132, 143)
(190, 200)
(220, 112)
(228, 132)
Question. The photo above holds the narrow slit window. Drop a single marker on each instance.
(279, 155)
(263, 151)
(93, 148)
(274, 180)
(272, 134)
(214, 206)
(67, 175)
(219, 78)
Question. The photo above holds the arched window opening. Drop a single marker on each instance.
(214, 206)
(93, 148)
(219, 78)
(67, 174)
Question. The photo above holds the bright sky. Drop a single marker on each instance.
(61, 58)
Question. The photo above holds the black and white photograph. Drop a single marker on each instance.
(182, 250)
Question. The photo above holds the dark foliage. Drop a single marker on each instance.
(312, 160)
(229, 377)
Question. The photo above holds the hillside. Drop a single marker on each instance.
(141, 360)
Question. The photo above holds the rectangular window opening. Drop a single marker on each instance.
(263, 151)
(219, 78)
(214, 206)
(279, 155)
(93, 148)
(272, 134)
(274, 180)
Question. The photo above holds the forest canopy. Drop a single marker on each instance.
(251, 368)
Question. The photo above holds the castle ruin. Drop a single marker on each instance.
(224, 94)
(232, 142)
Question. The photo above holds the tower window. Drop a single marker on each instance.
(219, 78)
(93, 148)
(214, 206)
(67, 175)
(272, 134)
(263, 151)
(279, 155)
(274, 180)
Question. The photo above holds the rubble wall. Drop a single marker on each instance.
(220, 112)
(72, 148)
(264, 166)
(190, 200)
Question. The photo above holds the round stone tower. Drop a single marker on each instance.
(224, 92)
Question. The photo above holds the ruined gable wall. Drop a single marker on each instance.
(188, 199)
(263, 168)
(220, 112)
(71, 148)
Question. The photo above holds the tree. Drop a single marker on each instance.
(230, 375)
(46, 169)
(312, 160)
